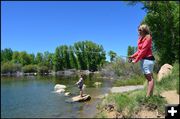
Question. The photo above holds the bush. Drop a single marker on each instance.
(29, 68)
(43, 69)
(9, 67)
(122, 68)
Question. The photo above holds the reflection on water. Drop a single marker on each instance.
(32, 97)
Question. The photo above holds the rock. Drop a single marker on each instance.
(60, 91)
(109, 107)
(67, 93)
(165, 70)
(58, 86)
(97, 83)
(79, 98)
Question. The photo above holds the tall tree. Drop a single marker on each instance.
(6, 54)
(73, 58)
(25, 58)
(39, 58)
(131, 50)
(112, 55)
(16, 57)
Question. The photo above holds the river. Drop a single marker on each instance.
(33, 97)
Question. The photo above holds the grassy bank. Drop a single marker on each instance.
(130, 103)
(135, 80)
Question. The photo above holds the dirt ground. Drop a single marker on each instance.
(171, 96)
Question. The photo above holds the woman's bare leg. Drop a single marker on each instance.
(150, 86)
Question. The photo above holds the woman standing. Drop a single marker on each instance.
(145, 56)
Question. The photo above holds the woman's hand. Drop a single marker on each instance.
(130, 59)
(133, 61)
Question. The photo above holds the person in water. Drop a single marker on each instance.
(80, 85)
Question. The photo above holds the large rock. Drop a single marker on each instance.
(79, 98)
(59, 86)
(60, 91)
(165, 70)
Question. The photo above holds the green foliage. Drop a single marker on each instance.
(6, 55)
(73, 58)
(29, 69)
(39, 58)
(112, 55)
(43, 69)
(24, 58)
(131, 50)
(9, 67)
(122, 68)
(134, 80)
(48, 60)
(90, 55)
(16, 57)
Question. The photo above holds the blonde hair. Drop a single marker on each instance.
(145, 28)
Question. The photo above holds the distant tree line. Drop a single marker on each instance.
(84, 55)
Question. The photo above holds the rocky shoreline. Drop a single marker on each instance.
(70, 72)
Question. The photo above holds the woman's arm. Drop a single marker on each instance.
(142, 52)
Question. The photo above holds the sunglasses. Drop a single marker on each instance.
(139, 29)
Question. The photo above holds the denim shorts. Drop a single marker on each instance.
(147, 66)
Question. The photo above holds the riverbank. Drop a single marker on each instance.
(69, 72)
(134, 104)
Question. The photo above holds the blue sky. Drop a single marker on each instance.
(34, 26)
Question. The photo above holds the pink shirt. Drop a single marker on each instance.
(144, 48)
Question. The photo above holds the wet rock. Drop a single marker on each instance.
(79, 98)
(67, 93)
(60, 91)
(59, 86)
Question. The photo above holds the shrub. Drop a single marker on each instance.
(29, 68)
(9, 67)
(43, 69)
(122, 68)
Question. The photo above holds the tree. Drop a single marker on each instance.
(25, 58)
(16, 57)
(131, 50)
(57, 59)
(73, 58)
(39, 58)
(112, 55)
(32, 57)
(6, 54)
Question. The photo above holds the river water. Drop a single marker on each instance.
(33, 97)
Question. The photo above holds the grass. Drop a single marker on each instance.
(135, 80)
(131, 102)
